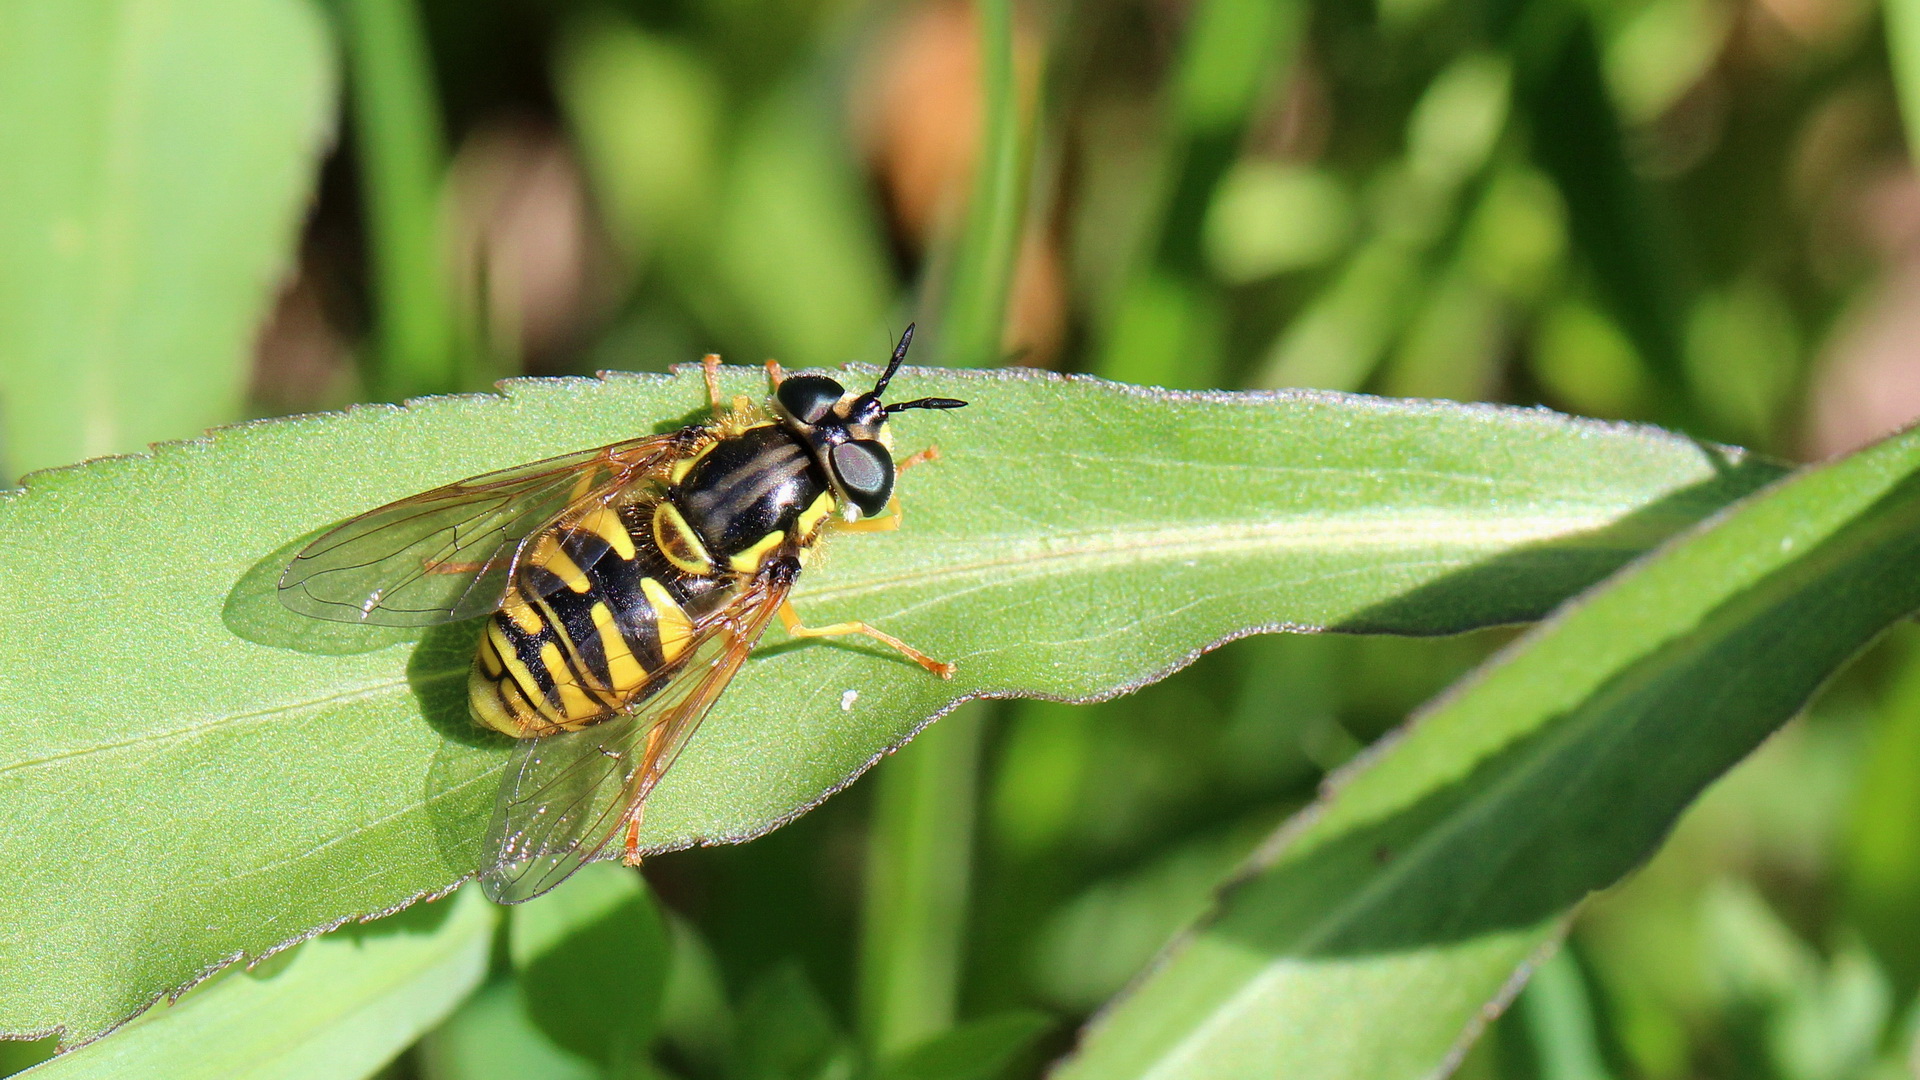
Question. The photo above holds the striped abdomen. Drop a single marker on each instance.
(607, 606)
(600, 622)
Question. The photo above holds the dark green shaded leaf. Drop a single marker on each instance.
(1440, 865)
(979, 1050)
(493, 1038)
(787, 1032)
(592, 958)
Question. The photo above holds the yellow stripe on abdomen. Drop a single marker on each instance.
(499, 700)
(670, 620)
(623, 668)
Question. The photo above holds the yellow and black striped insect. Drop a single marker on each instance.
(624, 587)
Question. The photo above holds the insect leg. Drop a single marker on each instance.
(710, 370)
(931, 453)
(775, 374)
(791, 620)
(630, 856)
(885, 523)
(650, 762)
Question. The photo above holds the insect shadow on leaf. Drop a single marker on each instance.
(253, 612)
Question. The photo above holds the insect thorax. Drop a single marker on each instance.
(741, 499)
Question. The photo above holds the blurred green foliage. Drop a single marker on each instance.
(1695, 212)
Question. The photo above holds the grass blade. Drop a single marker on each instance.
(402, 166)
(1903, 49)
(919, 871)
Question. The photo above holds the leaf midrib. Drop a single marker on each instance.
(216, 723)
(1053, 555)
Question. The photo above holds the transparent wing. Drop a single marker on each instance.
(565, 796)
(448, 554)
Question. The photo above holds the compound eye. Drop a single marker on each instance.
(865, 471)
(808, 398)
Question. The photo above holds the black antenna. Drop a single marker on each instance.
(893, 365)
(925, 403)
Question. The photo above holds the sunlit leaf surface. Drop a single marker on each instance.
(209, 775)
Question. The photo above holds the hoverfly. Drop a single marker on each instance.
(623, 588)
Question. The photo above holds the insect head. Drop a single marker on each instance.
(847, 432)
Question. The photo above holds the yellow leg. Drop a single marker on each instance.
(931, 453)
(775, 375)
(630, 846)
(710, 369)
(885, 523)
(791, 620)
(630, 855)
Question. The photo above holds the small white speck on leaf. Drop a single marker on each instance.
(847, 699)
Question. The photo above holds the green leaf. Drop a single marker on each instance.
(1370, 937)
(978, 1050)
(1095, 943)
(402, 158)
(696, 1020)
(1170, 328)
(492, 1038)
(592, 957)
(1560, 1024)
(919, 872)
(1903, 50)
(1576, 139)
(210, 775)
(341, 1006)
(787, 1031)
(156, 159)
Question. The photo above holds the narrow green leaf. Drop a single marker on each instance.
(696, 1020)
(974, 315)
(982, 1049)
(1882, 869)
(341, 1007)
(797, 246)
(1560, 1023)
(1097, 942)
(1370, 937)
(155, 160)
(1170, 326)
(919, 877)
(920, 838)
(592, 958)
(210, 775)
(645, 111)
(402, 156)
(1903, 49)
(1576, 138)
